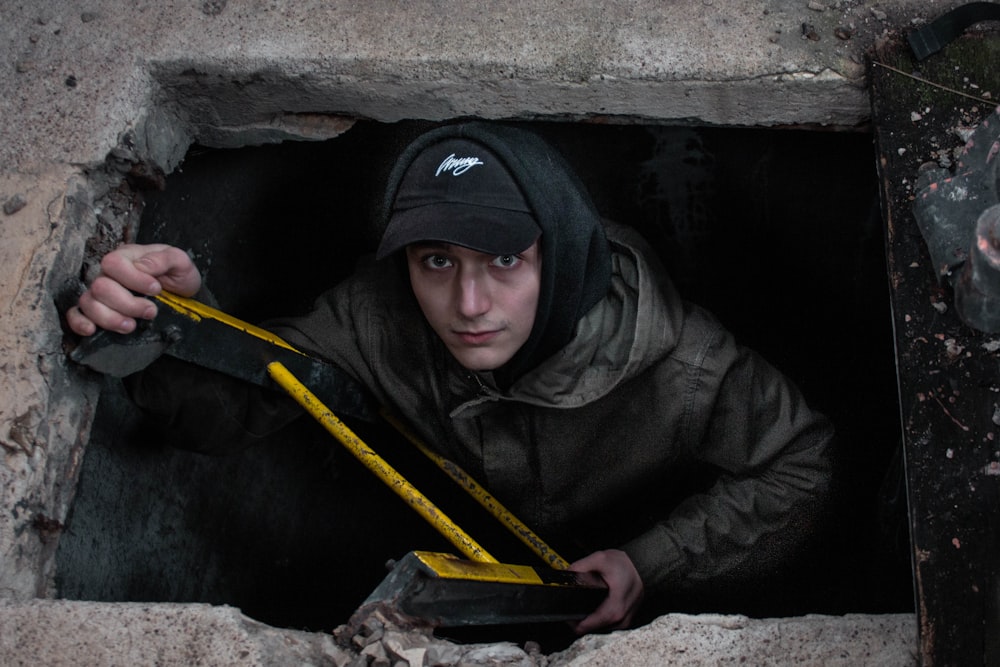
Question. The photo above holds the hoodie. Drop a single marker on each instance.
(576, 267)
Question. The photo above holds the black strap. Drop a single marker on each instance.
(933, 37)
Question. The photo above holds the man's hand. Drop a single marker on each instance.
(109, 302)
(625, 590)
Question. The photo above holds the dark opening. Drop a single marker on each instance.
(776, 231)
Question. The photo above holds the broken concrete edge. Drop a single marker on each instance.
(54, 632)
(41, 437)
(888, 640)
(69, 215)
(223, 113)
(66, 217)
(60, 218)
(701, 63)
(821, 98)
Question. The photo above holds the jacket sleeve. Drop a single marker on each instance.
(210, 412)
(206, 411)
(772, 452)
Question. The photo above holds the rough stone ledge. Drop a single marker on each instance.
(80, 76)
(854, 640)
(61, 632)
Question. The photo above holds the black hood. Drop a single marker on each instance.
(576, 259)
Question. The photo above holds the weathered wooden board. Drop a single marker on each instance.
(949, 373)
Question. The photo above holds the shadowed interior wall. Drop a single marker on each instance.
(776, 231)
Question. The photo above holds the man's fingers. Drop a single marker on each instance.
(111, 301)
(173, 267)
(108, 305)
(110, 294)
(88, 315)
(79, 323)
(625, 590)
(600, 619)
(614, 613)
(131, 267)
(149, 269)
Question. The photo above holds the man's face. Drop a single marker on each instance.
(482, 306)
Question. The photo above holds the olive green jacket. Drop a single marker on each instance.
(652, 431)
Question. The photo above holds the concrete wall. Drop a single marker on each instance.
(93, 92)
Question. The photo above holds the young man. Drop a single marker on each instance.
(546, 352)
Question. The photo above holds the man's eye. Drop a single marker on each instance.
(506, 261)
(437, 261)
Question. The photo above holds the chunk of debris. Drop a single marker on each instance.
(14, 204)
(952, 348)
(213, 7)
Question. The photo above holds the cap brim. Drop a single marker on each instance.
(482, 228)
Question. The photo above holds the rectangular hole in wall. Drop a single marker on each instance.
(775, 231)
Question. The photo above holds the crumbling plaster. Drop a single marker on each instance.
(141, 81)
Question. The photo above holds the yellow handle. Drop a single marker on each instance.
(371, 460)
(489, 503)
(197, 311)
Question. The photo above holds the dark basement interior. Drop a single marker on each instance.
(777, 231)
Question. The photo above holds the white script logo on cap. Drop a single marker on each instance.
(457, 165)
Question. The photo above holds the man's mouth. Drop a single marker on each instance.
(476, 337)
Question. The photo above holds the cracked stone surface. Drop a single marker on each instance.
(82, 74)
(97, 92)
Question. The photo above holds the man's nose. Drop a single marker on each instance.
(473, 295)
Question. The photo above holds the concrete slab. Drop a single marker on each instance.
(81, 74)
(55, 633)
(677, 639)
(89, 633)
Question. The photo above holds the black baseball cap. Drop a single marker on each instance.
(458, 191)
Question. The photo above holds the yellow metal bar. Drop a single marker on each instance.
(197, 311)
(489, 503)
(447, 566)
(371, 460)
